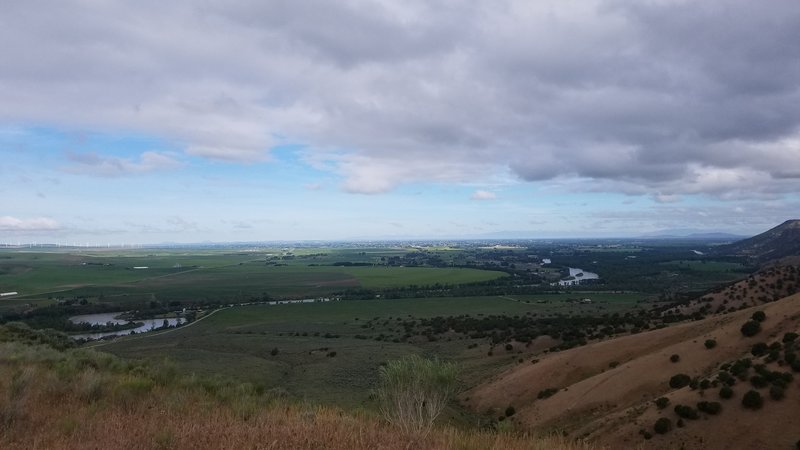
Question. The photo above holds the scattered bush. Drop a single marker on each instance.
(675, 358)
(710, 343)
(726, 392)
(759, 349)
(711, 408)
(758, 381)
(274, 351)
(752, 400)
(545, 393)
(777, 393)
(510, 411)
(662, 402)
(789, 337)
(662, 425)
(751, 328)
(680, 380)
(759, 316)
(686, 412)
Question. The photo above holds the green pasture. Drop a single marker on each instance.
(223, 277)
(238, 341)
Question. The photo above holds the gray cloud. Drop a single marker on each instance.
(665, 98)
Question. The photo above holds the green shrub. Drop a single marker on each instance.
(545, 393)
(510, 411)
(686, 412)
(751, 328)
(758, 381)
(759, 316)
(662, 402)
(726, 392)
(679, 380)
(777, 393)
(711, 408)
(675, 358)
(752, 400)
(759, 349)
(274, 351)
(789, 337)
(710, 343)
(662, 425)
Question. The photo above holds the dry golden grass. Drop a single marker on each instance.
(53, 400)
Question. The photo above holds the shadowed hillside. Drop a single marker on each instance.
(776, 243)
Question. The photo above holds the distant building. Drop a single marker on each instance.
(546, 261)
(140, 267)
(6, 294)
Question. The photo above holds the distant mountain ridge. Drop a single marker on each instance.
(773, 244)
(678, 234)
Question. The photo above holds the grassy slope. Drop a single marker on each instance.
(238, 342)
(69, 400)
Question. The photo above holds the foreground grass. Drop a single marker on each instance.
(86, 399)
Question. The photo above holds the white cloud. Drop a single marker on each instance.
(110, 166)
(666, 198)
(12, 224)
(483, 195)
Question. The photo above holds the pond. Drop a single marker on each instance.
(576, 276)
(104, 318)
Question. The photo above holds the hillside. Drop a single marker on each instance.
(52, 397)
(767, 285)
(773, 244)
(605, 391)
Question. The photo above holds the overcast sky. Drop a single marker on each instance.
(150, 121)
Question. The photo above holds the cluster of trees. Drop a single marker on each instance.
(500, 329)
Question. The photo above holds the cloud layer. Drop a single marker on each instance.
(662, 97)
(15, 224)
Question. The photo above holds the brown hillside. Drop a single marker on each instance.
(765, 286)
(611, 405)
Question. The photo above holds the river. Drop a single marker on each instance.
(104, 318)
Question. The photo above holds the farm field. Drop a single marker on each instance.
(222, 277)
